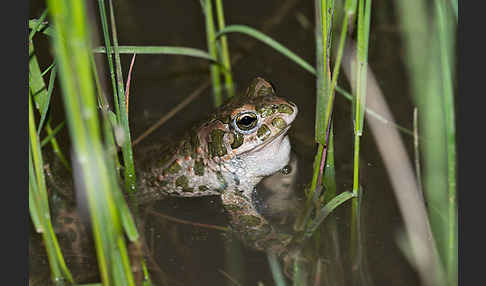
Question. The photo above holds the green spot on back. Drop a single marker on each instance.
(250, 220)
(216, 146)
(195, 143)
(232, 207)
(174, 168)
(199, 167)
(186, 149)
(203, 188)
(183, 182)
(164, 183)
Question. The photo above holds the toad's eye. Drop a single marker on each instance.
(246, 122)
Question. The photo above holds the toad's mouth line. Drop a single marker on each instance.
(280, 135)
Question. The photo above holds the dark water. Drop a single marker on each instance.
(189, 255)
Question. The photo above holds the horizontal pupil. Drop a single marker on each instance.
(247, 120)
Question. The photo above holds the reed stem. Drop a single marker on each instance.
(364, 14)
(446, 50)
(224, 52)
(213, 51)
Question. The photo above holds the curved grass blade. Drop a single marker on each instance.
(326, 210)
(269, 41)
(163, 50)
(302, 63)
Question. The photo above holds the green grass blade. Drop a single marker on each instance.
(326, 210)
(52, 134)
(130, 178)
(323, 95)
(37, 156)
(36, 82)
(268, 41)
(212, 48)
(50, 88)
(446, 47)
(126, 217)
(342, 41)
(41, 26)
(40, 207)
(364, 15)
(224, 52)
(163, 50)
(108, 47)
(42, 98)
(329, 179)
(48, 69)
(350, 8)
(454, 8)
(33, 209)
(422, 41)
(55, 146)
(324, 99)
(146, 278)
(37, 25)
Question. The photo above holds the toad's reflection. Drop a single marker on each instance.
(264, 220)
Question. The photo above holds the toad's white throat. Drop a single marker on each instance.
(261, 162)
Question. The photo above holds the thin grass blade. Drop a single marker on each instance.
(39, 207)
(50, 88)
(326, 210)
(129, 166)
(268, 41)
(224, 52)
(162, 50)
(52, 134)
(214, 70)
